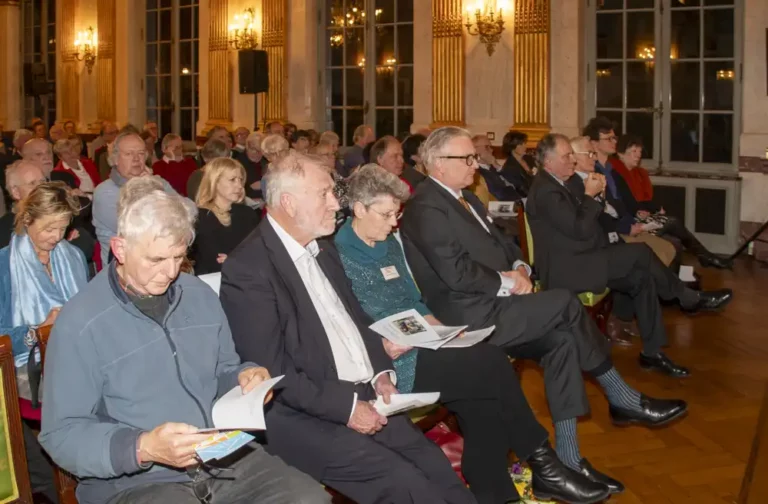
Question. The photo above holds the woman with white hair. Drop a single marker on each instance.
(477, 383)
(223, 221)
(81, 168)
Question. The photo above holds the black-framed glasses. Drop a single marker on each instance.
(612, 138)
(592, 154)
(469, 158)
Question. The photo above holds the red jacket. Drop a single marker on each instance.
(176, 173)
(638, 180)
(88, 166)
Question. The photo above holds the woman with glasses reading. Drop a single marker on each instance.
(477, 383)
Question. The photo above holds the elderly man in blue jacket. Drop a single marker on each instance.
(134, 364)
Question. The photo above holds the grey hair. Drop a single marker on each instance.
(433, 146)
(15, 168)
(255, 139)
(285, 174)
(167, 139)
(61, 145)
(138, 187)
(274, 144)
(112, 160)
(371, 181)
(20, 133)
(578, 142)
(547, 145)
(329, 137)
(155, 213)
(213, 149)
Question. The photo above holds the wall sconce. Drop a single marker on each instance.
(725, 75)
(85, 48)
(242, 34)
(604, 72)
(488, 24)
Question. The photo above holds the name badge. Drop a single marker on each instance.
(390, 273)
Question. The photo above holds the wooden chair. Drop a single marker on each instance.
(14, 474)
(598, 305)
(65, 482)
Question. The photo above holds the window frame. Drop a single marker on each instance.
(662, 85)
(32, 106)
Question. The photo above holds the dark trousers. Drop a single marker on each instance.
(39, 466)
(675, 227)
(552, 328)
(397, 465)
(479, 385)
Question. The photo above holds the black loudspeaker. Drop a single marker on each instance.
(35, 79)
(254, 72)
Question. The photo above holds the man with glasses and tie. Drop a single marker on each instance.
(469, 273)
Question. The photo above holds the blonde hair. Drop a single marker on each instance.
(212, 174)
(46, 200)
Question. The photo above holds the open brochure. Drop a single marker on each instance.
(502, 209)
(404, 402)
(237, 411)
(408, 328)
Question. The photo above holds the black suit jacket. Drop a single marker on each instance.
(514, 172)
(497, 186)
(608, 223)
(274, 322)
(569, 244)
(413, 176)
(454, 261)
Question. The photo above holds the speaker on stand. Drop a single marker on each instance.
(254, 76)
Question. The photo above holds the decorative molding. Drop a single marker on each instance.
(219, 112)
(448, 61)
(531, 59)
(10, 15)
(273, 41)
(9, 3)
(105, 58)
(68, 77)
(753, 164)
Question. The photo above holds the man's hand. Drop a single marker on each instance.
(394, 350)
(252, 376)
(636, 229)
(662, 211)
(594, 184)
(522, 281)
(221, 258)
(384, 387)
(365, 419)
(170, 444)
(256, 186)
(643, 214)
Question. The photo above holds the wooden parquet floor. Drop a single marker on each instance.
(701, 459)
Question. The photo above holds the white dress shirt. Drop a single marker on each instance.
(349, 352)
(507, 284)
(86, 183)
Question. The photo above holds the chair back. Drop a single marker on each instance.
(14, 475)
(524, 231)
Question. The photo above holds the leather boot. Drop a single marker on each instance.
(553, 480)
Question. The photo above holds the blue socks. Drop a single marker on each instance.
(566, 443)
(618, 392)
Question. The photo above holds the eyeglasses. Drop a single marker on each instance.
(613, 138)
(592, 154)
(388, 215)
(201, 477)
(469, 158)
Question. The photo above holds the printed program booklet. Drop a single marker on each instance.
(408, 328)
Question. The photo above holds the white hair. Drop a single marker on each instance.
(115, 154)
(254, 139)
(20, 133)
(432, 147)
(145, 210)
(287, 173)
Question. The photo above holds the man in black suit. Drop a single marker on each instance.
(469, 273)
(498, 186)
(572, 251)
(288, 301)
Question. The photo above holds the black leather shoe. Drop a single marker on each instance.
(660, 362)
(653, 412)
(614, 486)
(553, 480)
(711, 301)
(713, 261)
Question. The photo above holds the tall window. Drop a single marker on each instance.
(668, 70)
(39, 47)
(368, 63)
(172, 69)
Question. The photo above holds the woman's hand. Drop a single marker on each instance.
(394, 350)
(51, 318)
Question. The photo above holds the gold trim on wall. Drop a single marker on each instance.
(273, 41)
(105, 62)
(532, 68)
(9, 14)
(69, 78)
(447, 64)
(219, 112)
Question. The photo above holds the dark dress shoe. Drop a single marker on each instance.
(713, 261)
(617, 332)
(614, 486)
(653, 412)
(711, 301)
(660, 362)
(553, 480)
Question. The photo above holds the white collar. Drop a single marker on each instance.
(450, 191)
(294, 248)
(78, 167)
(582, 175)
(166, 159)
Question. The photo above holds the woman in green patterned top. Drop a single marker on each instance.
(477, 383)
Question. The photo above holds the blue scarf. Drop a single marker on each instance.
(33, 294)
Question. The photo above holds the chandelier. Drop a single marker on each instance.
(242, 33)
(488, 24)
(354, 16)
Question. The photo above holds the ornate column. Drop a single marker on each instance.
(447, 64)
(68, 78)
(273, 41)
(10, 86)
(532, 68)
(219, 112)
(105, 63)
